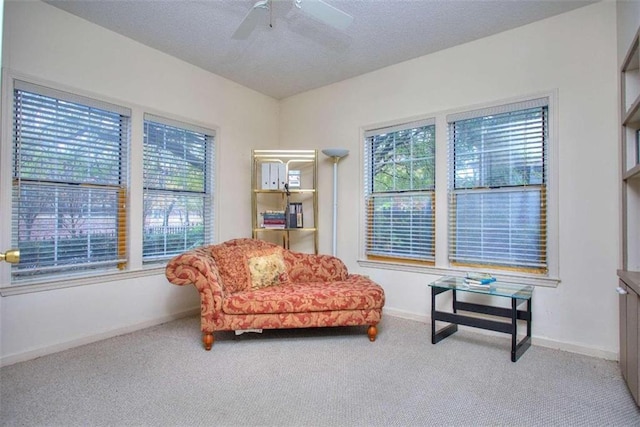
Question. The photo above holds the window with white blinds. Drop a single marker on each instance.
(498, 187)
(399, 176)
(69, 182)
(178, 187)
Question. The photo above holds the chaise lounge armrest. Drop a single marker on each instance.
(197, 267)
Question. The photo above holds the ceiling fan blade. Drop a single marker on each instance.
(248, 24)
(325, 13)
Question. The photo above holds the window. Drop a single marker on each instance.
(178, 187)
(399, 191)
(69, 182)
(498, 187)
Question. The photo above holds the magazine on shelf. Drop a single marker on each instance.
(294, 179)
(482, 278)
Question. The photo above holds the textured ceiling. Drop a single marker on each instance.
(298, 53)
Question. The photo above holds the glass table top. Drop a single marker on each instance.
(497, 288)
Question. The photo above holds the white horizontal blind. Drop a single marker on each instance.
(178, 187)
(497, 187)
(399, 176)
(69, 182)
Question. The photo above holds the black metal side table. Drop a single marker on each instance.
(519, 295)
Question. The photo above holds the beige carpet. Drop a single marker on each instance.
(317, 377)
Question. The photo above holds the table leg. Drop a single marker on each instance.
(529, 318)
(518, 348)
(514, 328)
(437, 336)
(455, 301)
(433, 316)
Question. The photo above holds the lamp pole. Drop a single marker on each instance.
(335, 154)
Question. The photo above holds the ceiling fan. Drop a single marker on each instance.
(316, 9)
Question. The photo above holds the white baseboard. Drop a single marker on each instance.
(43, 351)
(575, 348)
(539, 341)
(406, 315)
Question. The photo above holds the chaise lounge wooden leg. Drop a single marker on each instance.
(372, 332)
(207, 339)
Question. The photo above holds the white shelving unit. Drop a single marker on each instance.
(629, 283)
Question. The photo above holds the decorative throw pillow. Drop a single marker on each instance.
(266, 268)
(232, 266)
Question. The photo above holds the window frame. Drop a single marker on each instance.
(486, 188)
(135, 267)
(100, 114)
(371, 194)
(208, 182)
(442, 266)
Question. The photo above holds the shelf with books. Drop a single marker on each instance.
(629, 275)
(284, 198)
(630, 158)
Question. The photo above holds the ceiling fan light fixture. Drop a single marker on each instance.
(316, 9)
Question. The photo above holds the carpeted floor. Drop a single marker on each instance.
(317, 377)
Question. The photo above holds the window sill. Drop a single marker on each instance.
(525, 279)
(84, 280)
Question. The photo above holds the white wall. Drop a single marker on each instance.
(628, 21)
(51, 45)
(573, 53)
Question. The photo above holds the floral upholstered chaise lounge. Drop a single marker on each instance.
(253, 284)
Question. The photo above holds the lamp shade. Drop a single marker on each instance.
(335, 152)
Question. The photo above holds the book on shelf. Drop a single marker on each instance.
(282, 177)
(273, 219)
(273, 176)
(274, 226)
(265, 176)
(295, 215)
